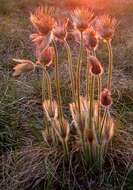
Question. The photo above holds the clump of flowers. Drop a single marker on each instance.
(93, 124)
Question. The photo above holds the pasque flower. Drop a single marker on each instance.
(41, 42)
(42, 20)
(90, 39)
(106, 26)
(81, 18)
(24, 66)
(106, 99)
(70, 26)
(60, 29)
(46, 56)
(95, 67)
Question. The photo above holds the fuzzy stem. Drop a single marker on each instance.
(71, 70)
(110, 65)
(48, 84)
(88, 78)
(78, 75)
(103, 120)
(43, 85)
(91, 101)
(58, 86)
(99, 91)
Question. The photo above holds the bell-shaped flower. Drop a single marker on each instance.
(24, 66)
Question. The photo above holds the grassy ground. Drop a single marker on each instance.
(20, 102)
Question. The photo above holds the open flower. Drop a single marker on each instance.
(50, 109)
(106, 99)
(41, 42)
(81, 18)
(42, 20)
(60, 29)
(95, 68)
(106, 26)
(46, 56)
(90, 39)
(24, 66)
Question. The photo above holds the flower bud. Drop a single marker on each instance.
(25, 66)
(95, 66)
(106, 99)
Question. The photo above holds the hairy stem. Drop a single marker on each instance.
(99, 91)
(71, 70)
(58, 85)
(105, 114)
(48, 85)
(91, 101)
(88, 78)
(110, 65)
(78, 75)
(44, 83)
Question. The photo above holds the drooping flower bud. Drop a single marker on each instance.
(95, 66)
(106, 99)
(25, 66)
